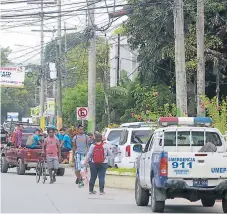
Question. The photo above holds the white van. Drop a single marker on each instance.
(126, 157)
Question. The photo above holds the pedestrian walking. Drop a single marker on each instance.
(98, 154)
(51, 146)
(80, 149)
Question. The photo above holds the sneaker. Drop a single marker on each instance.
(51, 181)
(77, 181)
(102, 193)
(81, 184)
(92, 192)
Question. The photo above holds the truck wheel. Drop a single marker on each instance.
(208, 202)
(20, 167)
(224, 205)
(4, 165)
(141, 195)
(156, 206)
(61, 172)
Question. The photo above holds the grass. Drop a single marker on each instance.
(122, 170)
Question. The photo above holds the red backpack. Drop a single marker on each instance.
(98, 153)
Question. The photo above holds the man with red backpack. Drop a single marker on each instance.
(99, 153)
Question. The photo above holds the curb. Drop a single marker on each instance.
(119, 181)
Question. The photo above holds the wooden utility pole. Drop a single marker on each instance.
(118, 58)
(200, 57)
(91, 68)
(181, 81)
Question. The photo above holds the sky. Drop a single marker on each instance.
(17, 34)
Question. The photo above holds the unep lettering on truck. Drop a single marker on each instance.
(218, 170)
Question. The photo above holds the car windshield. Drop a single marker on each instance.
(140, 136)
(29, 130)
(114, 135)
(197, 138)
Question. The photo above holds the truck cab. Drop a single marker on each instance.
(185, 158)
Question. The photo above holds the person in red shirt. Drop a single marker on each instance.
(51, 147)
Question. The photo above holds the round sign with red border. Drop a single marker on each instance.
(82, 112)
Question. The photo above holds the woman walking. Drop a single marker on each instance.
(98, 154)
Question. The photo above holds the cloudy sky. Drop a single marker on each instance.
(16, 31)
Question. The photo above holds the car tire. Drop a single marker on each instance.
(20, 167)
(156, 206)
(4, 165)
(208, 202)
(141, 194)
(61, 172)
(224, 205)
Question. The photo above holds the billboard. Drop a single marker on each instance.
(12, 116)
(12, 77)
(50, 110)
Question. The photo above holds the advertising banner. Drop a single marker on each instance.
(12, 77)
(12, 116)
(50, 110)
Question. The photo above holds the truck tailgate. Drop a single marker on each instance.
(188, 165)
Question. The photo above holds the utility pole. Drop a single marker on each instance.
(43, 73)
(118, 58)
(181, 81)
(91, 69)
(42, 98)
(200, 57)
(59, 86)
(66, 71)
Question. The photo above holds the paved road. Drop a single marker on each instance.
(20, 194)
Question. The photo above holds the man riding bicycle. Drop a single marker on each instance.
(51, 147)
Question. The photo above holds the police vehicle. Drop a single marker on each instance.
(185, 158)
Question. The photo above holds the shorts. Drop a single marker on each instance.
(52, 162)
(78, 158)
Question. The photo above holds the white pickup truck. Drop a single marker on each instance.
(187, 161)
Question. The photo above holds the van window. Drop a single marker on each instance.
(183, 138)
(114, 134)
(140, 136)
(29, 130)
(124, 137)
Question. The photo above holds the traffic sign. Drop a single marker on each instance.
(82, 113)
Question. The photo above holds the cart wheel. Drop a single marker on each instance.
(44, 175)
(38, 172)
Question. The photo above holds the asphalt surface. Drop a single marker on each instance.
(21, 194)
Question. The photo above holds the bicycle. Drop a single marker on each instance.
(41, 170)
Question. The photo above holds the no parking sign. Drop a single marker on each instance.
(82, 113)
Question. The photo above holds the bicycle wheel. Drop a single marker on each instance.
(44, 175)
(38, 172)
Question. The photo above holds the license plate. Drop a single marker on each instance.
(200, 183)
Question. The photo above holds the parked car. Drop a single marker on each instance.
(126, 157)
(3, 136)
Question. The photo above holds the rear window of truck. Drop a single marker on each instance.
(197, 138)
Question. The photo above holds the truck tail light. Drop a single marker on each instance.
(163, 170)
(128, 151)
(28, 155)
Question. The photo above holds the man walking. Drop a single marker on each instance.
(80, 148)
(53, 153)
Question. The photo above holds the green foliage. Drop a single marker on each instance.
(77, 97)
(4, 56)
(78, 62)
(217, 113)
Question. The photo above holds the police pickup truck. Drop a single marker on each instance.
(185, 158)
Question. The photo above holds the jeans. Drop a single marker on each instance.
(100, 171)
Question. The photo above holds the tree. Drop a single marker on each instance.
(77, 97)
(5, 56)
(78, 62)
(150, 30)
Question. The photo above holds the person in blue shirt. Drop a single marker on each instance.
(36, 140)
(66, 145)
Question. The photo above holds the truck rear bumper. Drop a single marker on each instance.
(182, 185)
(33, 165)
